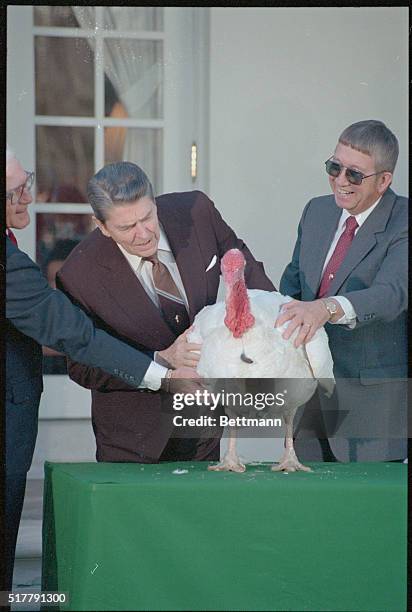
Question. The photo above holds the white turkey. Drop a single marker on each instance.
(239, 340)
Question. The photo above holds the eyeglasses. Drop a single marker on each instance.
(334, 168)
(16, 194)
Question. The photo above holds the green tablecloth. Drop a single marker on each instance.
(139, 537)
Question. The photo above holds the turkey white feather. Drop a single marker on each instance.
(239, 340)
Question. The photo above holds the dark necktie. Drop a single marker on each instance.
(170, 299)
(338, 255)
(11, 236)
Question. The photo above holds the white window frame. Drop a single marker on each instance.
(98, 122)
(185, 35)
(186, 120)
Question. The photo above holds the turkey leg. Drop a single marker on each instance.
(231, 461)
(289, 461)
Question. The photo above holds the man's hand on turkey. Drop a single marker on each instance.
(181, 353)
(307, 316)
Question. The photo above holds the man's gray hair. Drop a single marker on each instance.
(375, 139)
(116, 185)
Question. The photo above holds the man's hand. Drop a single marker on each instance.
(308, 316)
(183, 380)
(181, 353)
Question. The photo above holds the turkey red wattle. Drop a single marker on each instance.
(238, 317)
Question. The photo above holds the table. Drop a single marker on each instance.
(141, 537)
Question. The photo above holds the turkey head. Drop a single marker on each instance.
(238, 317)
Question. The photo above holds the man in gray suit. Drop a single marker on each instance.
(349, 271)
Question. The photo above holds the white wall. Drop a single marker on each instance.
(284, 83)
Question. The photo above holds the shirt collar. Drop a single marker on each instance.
(163, 241)
(361, 217)
(136, 261)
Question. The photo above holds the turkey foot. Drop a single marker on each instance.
(229, 463)
(290, 463)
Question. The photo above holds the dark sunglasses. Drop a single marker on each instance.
(334, 168)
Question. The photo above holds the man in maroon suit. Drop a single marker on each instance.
(143, 275)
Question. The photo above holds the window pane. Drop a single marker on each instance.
(134, 78)
(57, 236)
(133, 18)
(64, 163)
(64, 73)
(142, 146)
(61, 16)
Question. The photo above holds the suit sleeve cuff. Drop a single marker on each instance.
(153, 377)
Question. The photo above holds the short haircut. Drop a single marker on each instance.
(375, 139)
(116, 185)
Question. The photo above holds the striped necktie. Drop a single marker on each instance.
(338, 255)
(170, 299)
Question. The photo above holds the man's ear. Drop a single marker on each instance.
(384, 182)
(101, 226)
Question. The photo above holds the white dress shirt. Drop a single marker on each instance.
(349, 317)
(143, 270)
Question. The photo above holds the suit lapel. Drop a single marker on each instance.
(127, 292)
(183, 240)
(365, 240)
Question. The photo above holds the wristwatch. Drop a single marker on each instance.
(331, 307)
